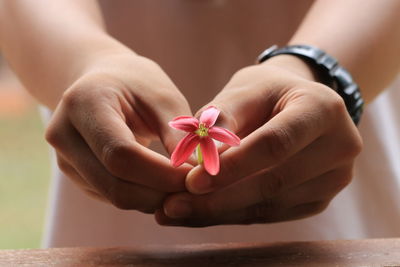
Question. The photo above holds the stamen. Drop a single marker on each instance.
(202, 130)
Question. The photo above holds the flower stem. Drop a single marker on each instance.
(199, 155)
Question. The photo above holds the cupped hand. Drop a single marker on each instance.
(297, 151)
(103, 124)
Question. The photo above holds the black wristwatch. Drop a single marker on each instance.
(334, 75)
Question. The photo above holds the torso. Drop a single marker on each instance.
(201, 43)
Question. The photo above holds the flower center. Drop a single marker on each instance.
(202, 130)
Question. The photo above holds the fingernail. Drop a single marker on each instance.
(178, 208)
(201, 184)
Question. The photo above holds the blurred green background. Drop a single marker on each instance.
(24, 166)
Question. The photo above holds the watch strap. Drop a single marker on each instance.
(335, 76)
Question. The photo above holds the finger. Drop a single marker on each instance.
(246, 196)
(100, 123)
(96, 196)
(163, 219)
(241, 217)
(307, 199)
(236, 106)
(75, 177)
(324, 154)
(169, 136)
(69, 171)
(321, 188)
(122, 194)
(280, 138)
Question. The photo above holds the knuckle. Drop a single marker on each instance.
(343, 180)
(149, 208)
(277, 143)
(335, 105)
(53, 136)
(122, 199)
(72, 98)
(354, 146)
(337, 102)
(92, 194)
(265, 212)
(113, 194)
(113, 155)
(229, 169)
(164, 97)
(109, 191)
(148, 63)
(318, 207)
(170, 99)
(330, 104)
(357, 145)
(271, 185)
(350, 146)
(244, 72)
(118, 203)
(208, 208)
(63, 165)
(306, 210)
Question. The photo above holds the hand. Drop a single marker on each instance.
(105, 120)
(297, 153)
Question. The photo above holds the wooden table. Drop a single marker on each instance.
(374, 252)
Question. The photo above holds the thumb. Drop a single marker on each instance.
(238, 114)
(227, 117)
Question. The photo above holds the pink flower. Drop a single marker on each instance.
(200, 135)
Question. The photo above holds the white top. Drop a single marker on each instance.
(200, 44)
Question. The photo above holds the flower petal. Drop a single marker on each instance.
(184, 149)
(224, 135)
(209, 116)
(184, 123)
(210, 155)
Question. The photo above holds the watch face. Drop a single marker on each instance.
(263, 56)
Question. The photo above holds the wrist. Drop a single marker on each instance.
(295, 65)
(105, 50)
(330, 72)
(77, 61)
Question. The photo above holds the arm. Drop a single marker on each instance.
(102, 95)
(50, 43)
(292, 160)
(364, 35)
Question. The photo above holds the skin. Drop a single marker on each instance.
(281, 171)
(100, 128)
(104, 116)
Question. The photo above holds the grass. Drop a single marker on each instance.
(24, 179)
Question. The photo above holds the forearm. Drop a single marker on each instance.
(50, 43)
(364, 35)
